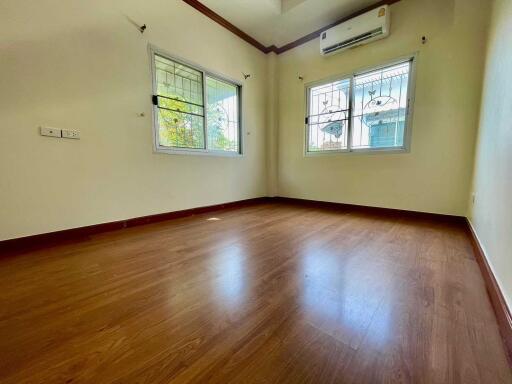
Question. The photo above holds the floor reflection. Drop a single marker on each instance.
(341, 295)
(231, 281)
(319, 268)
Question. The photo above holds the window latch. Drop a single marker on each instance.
(154, 98)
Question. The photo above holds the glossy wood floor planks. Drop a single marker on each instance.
(272, 293)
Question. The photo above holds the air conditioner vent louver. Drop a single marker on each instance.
(353, 41)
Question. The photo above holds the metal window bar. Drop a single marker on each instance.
(188, 87)
(175, 98)
(392, 81)
(328, 116)
(369, 84)
(224, 115)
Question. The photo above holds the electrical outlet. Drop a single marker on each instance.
(70, 134)
(52, 132)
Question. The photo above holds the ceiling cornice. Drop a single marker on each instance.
(272, 48)
(226, 24)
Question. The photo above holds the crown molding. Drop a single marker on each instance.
(196, 4)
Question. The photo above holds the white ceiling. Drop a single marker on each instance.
(282, 21)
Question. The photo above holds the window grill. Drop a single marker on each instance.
(329, 116)
(380, 107)
(179, 99)
(194, 110)
(365, 111)
(222, 111)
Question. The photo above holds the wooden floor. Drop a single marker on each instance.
(271, 293)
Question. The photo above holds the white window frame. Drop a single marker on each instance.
(350, 76)
(205, 72)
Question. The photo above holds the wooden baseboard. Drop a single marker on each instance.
(74, 234)
(501, 309)
(372, 210)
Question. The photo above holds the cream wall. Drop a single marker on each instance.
(80, 64)
(435, 176)
(491, 214)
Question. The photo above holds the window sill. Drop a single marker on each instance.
(196, 152)
(362, 151)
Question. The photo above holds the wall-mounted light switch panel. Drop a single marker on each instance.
(52, 132)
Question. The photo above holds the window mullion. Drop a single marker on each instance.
(351, 113)
(306, 120)
(239, 117)
(205, 112)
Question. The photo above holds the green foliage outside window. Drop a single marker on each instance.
(181, 110)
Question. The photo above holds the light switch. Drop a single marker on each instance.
(52, 132)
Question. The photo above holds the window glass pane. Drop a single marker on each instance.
(380, 107)
(180, 105)
(328, 116)
(222, 115)
(178, 81)
(180, 130)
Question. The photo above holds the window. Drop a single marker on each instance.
(365, 111)
(195, 111)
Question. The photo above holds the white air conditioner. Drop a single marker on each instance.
(370, 26)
